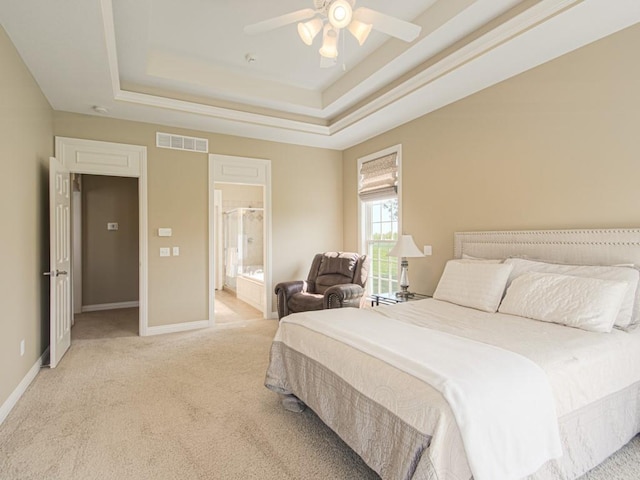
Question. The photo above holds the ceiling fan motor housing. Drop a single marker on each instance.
(322, 6)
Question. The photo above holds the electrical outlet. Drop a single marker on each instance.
(22, 348)
(176, 251)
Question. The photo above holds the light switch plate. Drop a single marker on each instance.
(176, 251)
(427, 250)
(112, 226)
(165, 252)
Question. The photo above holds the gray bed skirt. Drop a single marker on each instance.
(397, 451)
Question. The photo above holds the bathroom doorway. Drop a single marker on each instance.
(240, 239)
(240, 292)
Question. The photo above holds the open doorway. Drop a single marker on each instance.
(240, 223)
(240, 195)
(105, 258)
(80, 156)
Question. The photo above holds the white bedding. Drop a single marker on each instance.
(499, 441)
(581, 366)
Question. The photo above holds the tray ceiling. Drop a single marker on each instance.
(185, 64)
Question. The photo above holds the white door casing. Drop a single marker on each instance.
(115, 159)
(245, 171)
(60, 260)
(76, 246)
(219, 245)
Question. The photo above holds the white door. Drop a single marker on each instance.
(60, 259)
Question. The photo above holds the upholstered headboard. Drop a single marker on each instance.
(577, 247)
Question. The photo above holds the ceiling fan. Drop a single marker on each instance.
(330, 17)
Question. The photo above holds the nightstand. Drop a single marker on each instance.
(391, 298)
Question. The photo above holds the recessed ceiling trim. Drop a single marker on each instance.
(110, 42)
(494, 38)
(511, 28)
(218, 112)
(410, 98)
(184, 106)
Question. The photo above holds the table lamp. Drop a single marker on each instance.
(405, 248)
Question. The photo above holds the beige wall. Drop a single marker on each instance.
(26, 143)
(306, 200)
(555, 147)
(109, 257)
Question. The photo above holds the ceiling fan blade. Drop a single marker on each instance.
(281, 21)
(387, 24)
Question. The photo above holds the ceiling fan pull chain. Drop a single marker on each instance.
(344, 52)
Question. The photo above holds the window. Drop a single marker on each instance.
(379, 216)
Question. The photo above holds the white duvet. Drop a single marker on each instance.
(487, 397)
(581, 366)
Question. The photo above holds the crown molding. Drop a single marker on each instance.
(476, 48)
(409, 98)
(473, 50)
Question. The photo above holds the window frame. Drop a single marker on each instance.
(362, 220)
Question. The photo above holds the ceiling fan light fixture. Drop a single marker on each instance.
(329, 47)
(309, 30)
(360, 30)
(340, 13)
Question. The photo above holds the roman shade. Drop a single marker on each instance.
(379, 178)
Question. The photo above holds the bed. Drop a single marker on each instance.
(375, 397)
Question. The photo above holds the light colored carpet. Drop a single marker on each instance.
(179, 406)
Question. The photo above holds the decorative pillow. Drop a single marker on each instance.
(588, 303)
(470, 258)
(629, 313)
(478, 285)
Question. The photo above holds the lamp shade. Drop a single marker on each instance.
(360, 30)
(309, 30)
(329, 47)
(405, 247)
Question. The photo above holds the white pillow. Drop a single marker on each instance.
(588, 303)
(477, 285)
(629, 313)
(470, 258)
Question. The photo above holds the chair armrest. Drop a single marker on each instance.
(284, 291)
(289, 288)
(345, 295)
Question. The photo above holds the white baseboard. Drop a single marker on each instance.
(109, 306)
(177, 327)
(11, 402)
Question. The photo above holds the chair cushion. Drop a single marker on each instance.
(335, 269)
(338, 263)
(302, 302)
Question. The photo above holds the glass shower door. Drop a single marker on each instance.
(231, 250)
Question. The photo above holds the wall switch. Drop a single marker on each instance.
(112, 226)
(427, 250)
(165, 252)
(176, 251)
(22, 348)
(164, 232)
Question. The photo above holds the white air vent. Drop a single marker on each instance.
(180, 142)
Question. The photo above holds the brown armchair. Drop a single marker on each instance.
(335, 280)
